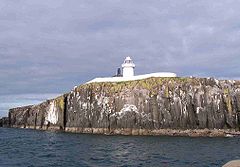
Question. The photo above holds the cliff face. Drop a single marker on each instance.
(138, 107)
(4, 122)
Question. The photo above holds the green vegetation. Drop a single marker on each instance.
(151, 84)
(60, 102)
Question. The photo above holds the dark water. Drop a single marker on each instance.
(19, 147)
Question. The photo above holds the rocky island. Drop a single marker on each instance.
(152, 106)
(159, 104)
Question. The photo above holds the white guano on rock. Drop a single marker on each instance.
(52, 114)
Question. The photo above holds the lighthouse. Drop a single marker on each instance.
(128, 67)
(128, 74)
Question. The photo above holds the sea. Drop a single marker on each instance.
(30, 148)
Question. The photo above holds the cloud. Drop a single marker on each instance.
(51, 45)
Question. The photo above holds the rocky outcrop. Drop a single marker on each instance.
(4, 122)
(140, 107)
(49, 114)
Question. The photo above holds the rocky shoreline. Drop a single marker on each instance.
(159, 132)
(142, 132)
(4, 122)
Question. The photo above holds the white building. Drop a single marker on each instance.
(128, 67)
(128, 74)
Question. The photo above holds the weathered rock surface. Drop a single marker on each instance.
(4, 122)
(138, 107)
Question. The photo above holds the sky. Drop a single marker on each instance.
(49, 46)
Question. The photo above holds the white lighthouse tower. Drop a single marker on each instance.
(128, 67)
(128, 74)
